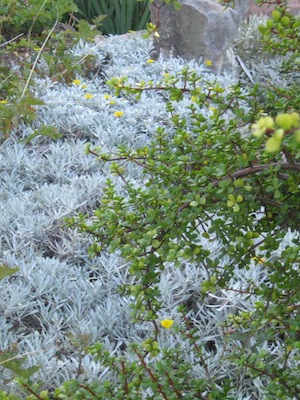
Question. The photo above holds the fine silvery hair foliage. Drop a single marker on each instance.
(59, 293)
(247, 44)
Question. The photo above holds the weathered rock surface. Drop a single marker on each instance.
(201, 28)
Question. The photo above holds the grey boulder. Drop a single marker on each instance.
(199, 29)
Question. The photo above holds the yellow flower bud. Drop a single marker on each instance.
(285, 121)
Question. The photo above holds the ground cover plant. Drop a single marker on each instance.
(186, 199)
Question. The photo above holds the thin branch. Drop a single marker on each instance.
(273, 377)
(125, 381)
(31, 391)
(238, 291)
(269, 202)
(11, 40)
(133, 159)
(88, 390)
(179, 395)
(37, 58)
(34, 20)
(153, 377)
(258, 168)
(25, 354)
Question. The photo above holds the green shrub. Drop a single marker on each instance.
(280, 37)
(24, 27)
(209, 180)
(30, 34)
(214, 179)
(20, 17)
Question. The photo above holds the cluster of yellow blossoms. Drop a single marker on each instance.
(89, 96)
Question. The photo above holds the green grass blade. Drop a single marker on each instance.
(108, 23)
(121, 15)
(132, 5)
(142, 16)
(117, 16)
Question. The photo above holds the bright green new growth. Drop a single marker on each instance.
(284, 125)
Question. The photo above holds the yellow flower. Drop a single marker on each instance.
(88, 96)
(150, 61)
(112, 102)
(167, 323)
(3, 101)
(118, 113)
(77, 81)
(83, 86)
(107, 96)
(208, 63)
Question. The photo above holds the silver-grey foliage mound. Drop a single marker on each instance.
(60, 295)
